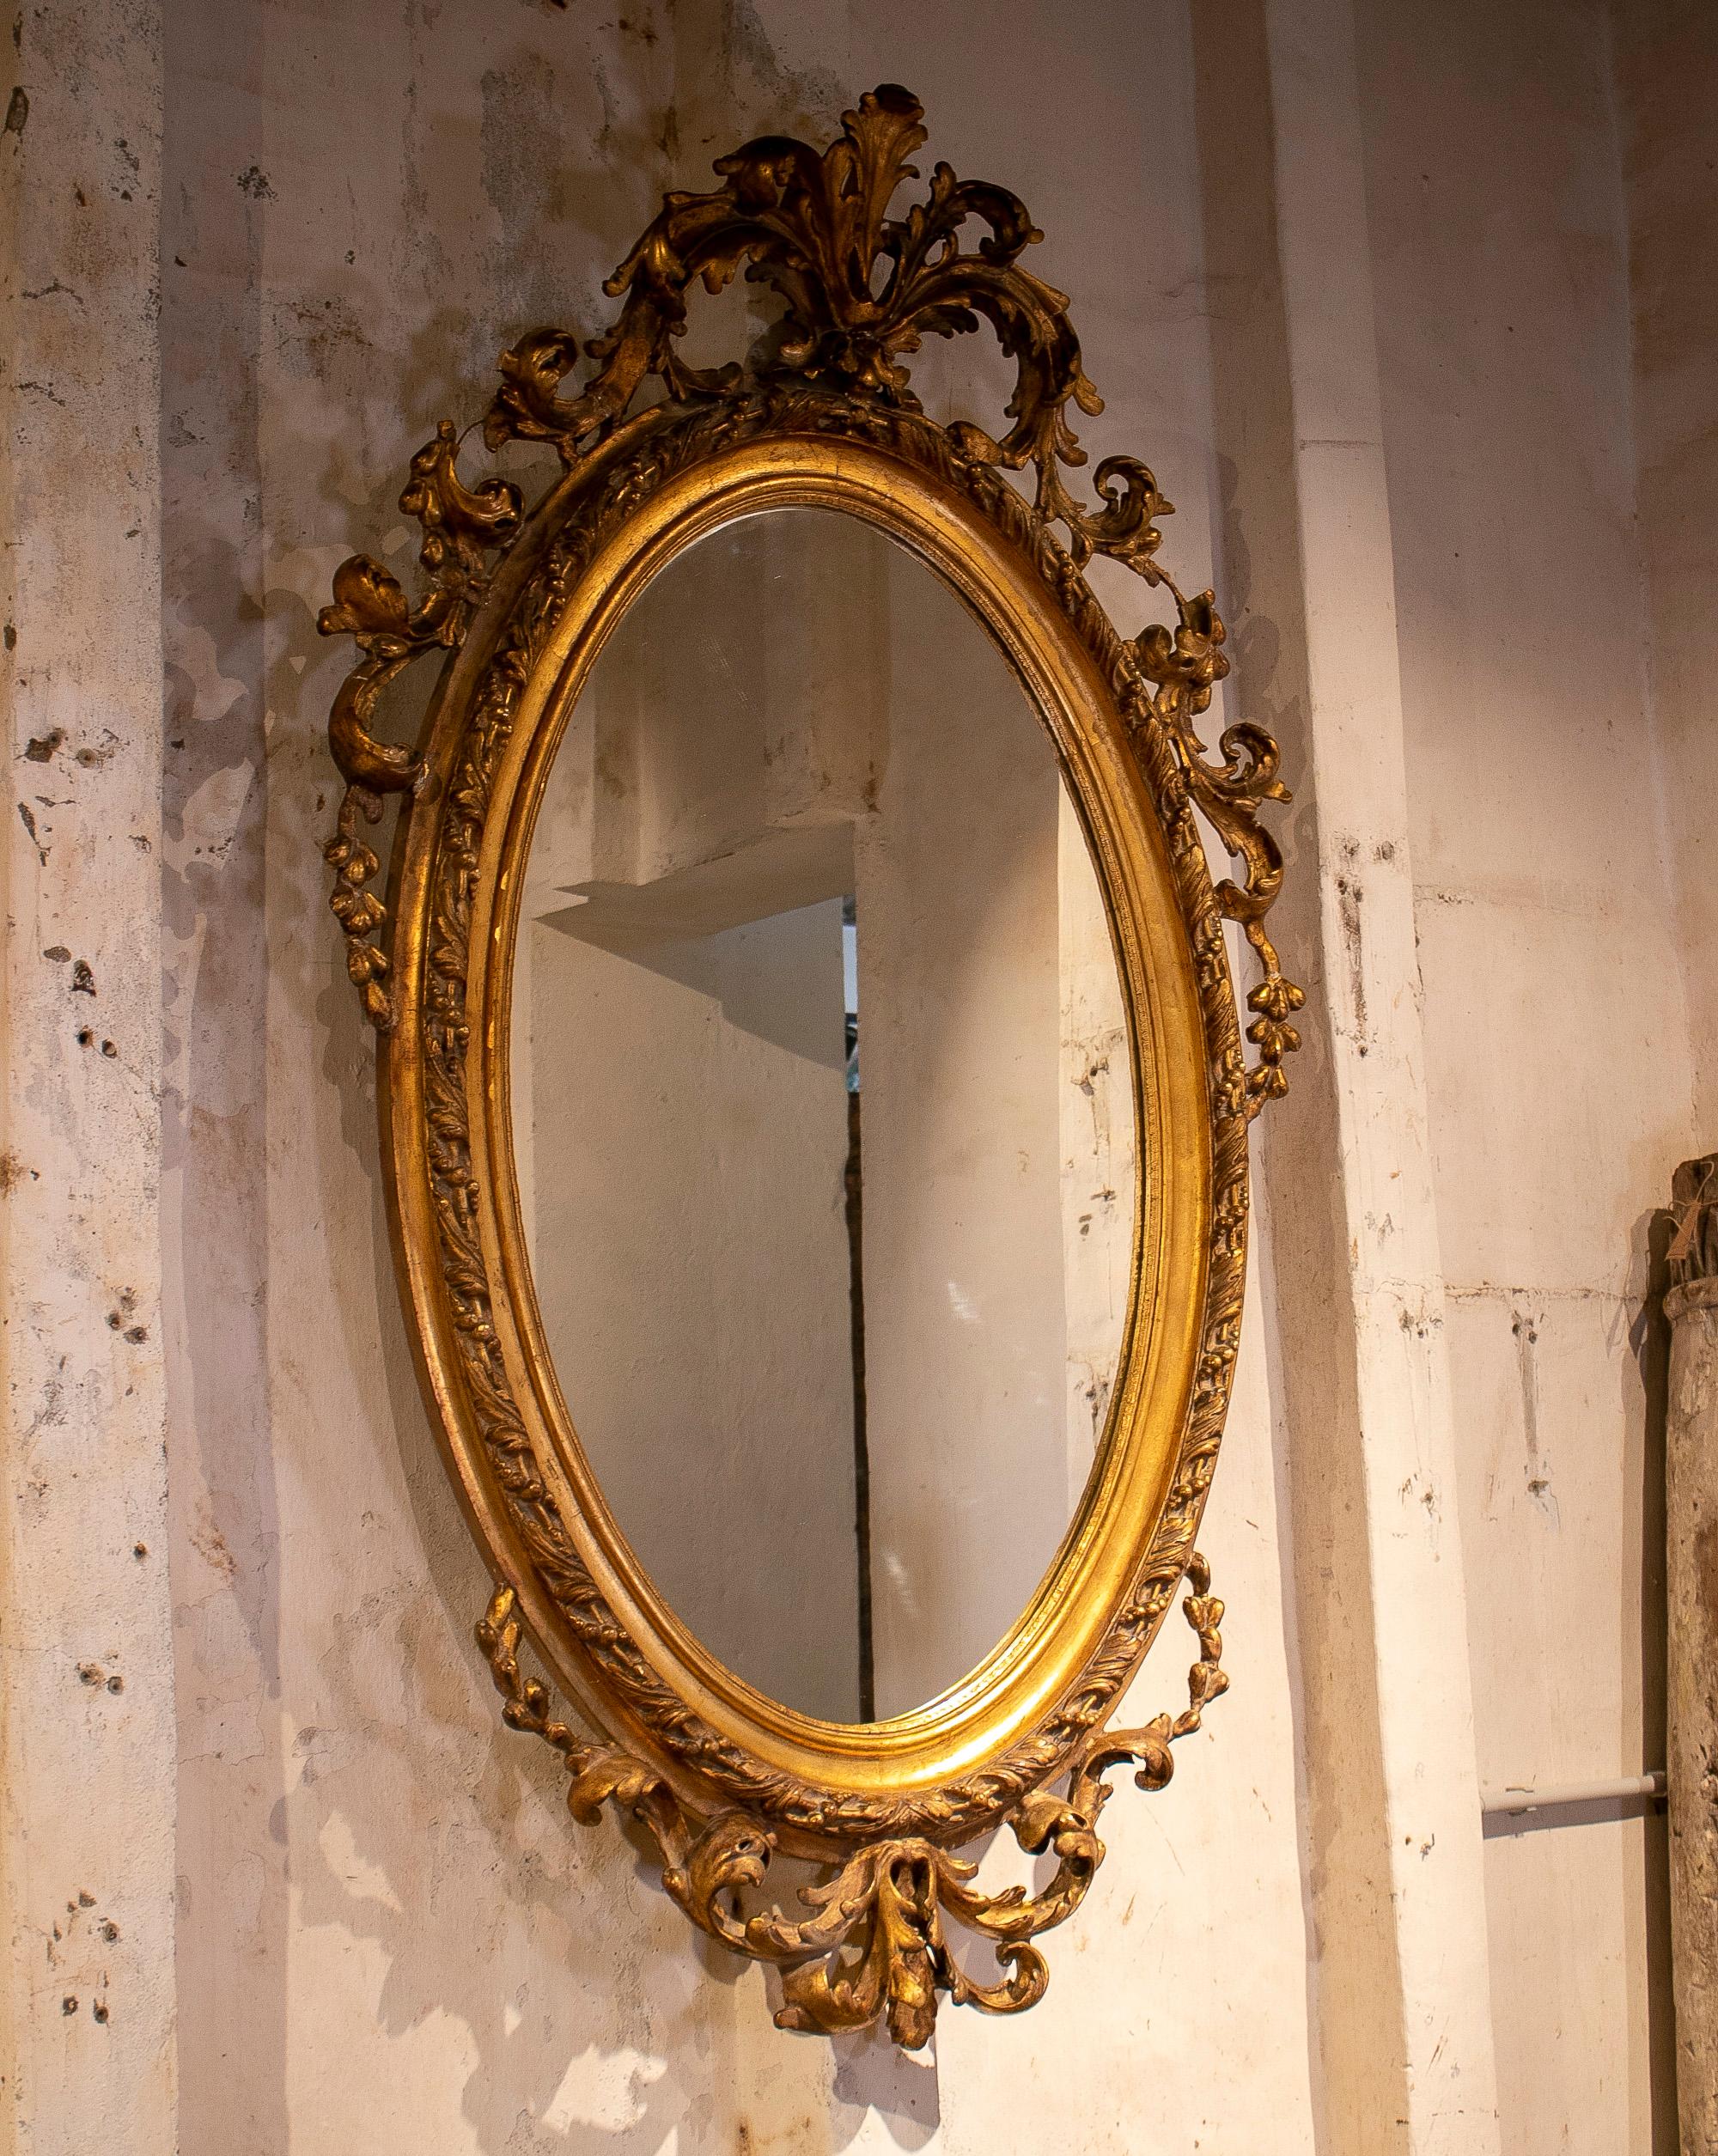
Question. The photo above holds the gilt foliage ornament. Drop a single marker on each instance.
(814, 229)
(859, 289)
(875, 1947)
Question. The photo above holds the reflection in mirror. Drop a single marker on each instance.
(823, 1114)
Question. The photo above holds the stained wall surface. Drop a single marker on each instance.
(1402, 336)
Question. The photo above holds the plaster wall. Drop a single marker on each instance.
(1378, 315)
(1561, 1072)
(87, 1700)
(1665, 57)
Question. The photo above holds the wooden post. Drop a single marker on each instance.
(1692, 1508)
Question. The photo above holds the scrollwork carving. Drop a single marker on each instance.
(862, 290)
(875, 1945)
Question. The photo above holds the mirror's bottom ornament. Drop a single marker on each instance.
(875, 1947)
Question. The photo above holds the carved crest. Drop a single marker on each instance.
(862, 290)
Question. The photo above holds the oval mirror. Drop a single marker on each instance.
(822, 1113)
(813, 1104)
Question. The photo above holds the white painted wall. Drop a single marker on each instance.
(1664, 54)
(1402, 292)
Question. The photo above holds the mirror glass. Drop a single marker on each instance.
(822, 1113)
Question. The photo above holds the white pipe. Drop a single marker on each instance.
(1492, 1802)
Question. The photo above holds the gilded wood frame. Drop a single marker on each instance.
(721, 1776)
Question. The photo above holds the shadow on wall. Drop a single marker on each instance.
(1649, 1338)
(388, 1919)
(1257, 575)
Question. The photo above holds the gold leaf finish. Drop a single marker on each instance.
(518, 604)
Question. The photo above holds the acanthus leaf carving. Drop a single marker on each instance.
(1184, 666)
(816, 228)
(874, 1946)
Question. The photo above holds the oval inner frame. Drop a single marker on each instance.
(896, 1771)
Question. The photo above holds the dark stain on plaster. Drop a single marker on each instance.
(1706, 1568)
(17, 111)
(1349, 897)
(10, 637)
(255, 182)
(57, 952)
(136, 1334)
(519, 135)
(82, 978)
(40, 747)
(1526, 1329)
(11, 1173)
(29, 823)
(318, 333)
(210, 1544)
